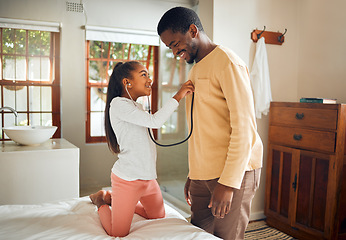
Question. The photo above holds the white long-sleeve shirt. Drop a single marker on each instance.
(137, 157)
(260, 80)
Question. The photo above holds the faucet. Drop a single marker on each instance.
(12, 110)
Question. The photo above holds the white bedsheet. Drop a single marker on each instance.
(78, 219)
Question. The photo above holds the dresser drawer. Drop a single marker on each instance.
(304, 117)
(303, 138)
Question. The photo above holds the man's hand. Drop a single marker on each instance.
(187, 191)
(221, 199)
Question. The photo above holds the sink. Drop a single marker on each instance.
(30, 135)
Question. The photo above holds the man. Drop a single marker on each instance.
(225, 150)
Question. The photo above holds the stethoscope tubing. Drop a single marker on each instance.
(177, 143)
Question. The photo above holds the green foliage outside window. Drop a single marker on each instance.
(14, 42)
(104, 55)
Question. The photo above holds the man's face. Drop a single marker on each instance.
(182, 45)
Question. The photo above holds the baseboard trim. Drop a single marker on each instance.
(257, 215)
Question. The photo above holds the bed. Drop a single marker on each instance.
(78, 219)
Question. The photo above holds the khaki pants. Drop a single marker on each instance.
(234, 224)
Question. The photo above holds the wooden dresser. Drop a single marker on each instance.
(305, 185)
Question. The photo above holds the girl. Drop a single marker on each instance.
(134, 185)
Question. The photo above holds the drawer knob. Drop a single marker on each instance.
(297, 137)
(299, 116)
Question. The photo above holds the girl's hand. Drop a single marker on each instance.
(186, 88)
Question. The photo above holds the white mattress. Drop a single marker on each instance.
(78, 219)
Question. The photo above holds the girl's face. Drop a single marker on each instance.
(140, 82)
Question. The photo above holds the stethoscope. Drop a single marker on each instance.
(149, 130)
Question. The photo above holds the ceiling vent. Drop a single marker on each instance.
(74, 7)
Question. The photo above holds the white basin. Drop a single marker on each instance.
(30, 135)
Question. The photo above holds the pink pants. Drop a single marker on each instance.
(128, 197)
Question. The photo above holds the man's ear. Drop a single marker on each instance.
(193, 30)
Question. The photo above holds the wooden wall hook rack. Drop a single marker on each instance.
(270, 37)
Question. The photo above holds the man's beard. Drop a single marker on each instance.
(192, 55)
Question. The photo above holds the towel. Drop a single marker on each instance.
(260, 80)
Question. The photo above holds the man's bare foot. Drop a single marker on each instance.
(108, 197)
(98, 198)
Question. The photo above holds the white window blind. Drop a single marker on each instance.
(107, 34)
(29, 25)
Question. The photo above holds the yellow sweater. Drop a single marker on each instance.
(224, 143)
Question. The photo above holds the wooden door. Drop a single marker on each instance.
(280, 176)
(312, 184)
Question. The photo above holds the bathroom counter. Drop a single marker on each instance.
(38, 174)
(51, 144)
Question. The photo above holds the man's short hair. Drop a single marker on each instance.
(178, 19)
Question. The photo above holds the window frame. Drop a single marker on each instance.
(54, 82)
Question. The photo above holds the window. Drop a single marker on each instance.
(101, 58)
(29, 77)
(173, 73)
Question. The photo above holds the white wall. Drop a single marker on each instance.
(322, 49)
(206, 15)
(96, 160)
